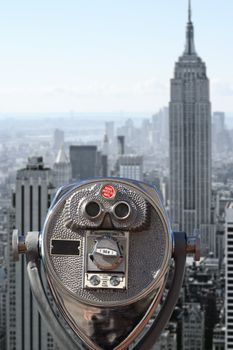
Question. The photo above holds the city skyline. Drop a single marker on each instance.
(106, 57)
(62, 56)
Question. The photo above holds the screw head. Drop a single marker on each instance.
(95, 280)
(115, 281)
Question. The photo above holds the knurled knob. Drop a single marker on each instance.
(107, 254)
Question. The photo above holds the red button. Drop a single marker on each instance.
(108, 192)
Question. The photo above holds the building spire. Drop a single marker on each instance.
(61, 157)
(189, 46)
(190, 12)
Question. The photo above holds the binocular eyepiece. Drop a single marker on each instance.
(106, 248)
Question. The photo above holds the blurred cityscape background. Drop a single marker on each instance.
(184, 149)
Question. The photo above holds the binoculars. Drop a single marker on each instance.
(106, 249)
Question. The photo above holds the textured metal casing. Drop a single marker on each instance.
(108, 318)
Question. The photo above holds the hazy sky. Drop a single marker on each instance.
(107, 56)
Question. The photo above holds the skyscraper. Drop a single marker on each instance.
(3, 291)
(229, 276)
(221, 138)
(87, 162)
(58, 139)
(190, 144)
(11, 288)
(159, 130)
(83, 161)
(26, 330)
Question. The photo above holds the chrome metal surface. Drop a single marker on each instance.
(152, 245)
(107, 254)
(75, 217)
(172, 297)
(107, 327)
(86, 208)
(125, 216)
(108, 318)
(18, 245)
(15, 245)
(27, 244)
(106, 266)
(65, 341)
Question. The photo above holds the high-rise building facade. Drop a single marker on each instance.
(229, 276)
(221, 137)
(58, 139)
(87, 162)
(3, 292)
(131, 166)
(11, 288)
(193, 327)
(61, 169)
(219, 337)
(219, 122)
(190, 143)
(110, 131)
(83, 161)
(159, 130)
(167, 339)
(26, 330)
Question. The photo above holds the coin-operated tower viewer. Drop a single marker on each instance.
(106, 248)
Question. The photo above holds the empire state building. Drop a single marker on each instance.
(190, 143)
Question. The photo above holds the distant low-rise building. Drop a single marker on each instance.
(192, 327)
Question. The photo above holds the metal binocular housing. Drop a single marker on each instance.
(106, 249)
